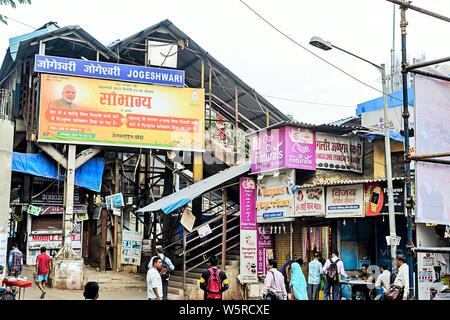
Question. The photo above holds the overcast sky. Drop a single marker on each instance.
(259, 55)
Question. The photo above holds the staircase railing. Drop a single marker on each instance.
(200, 251)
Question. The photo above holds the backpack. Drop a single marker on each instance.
(214, 285)
(332, 273)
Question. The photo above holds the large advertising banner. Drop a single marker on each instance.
(376, 198)
(275, 199)
(102, 112)
(345, 201)
(433, 276)
(339, 153)
(432, 132)
(286, 147)
(310, 202)
(248, 238)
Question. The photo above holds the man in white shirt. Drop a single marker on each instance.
(167, 268)
(274, 282)
(402, 279)
(332, 280)
(154, 282)
(384, 280)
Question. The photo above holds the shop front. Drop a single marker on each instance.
(44, 222)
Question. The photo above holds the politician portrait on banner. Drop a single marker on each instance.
(112, 113)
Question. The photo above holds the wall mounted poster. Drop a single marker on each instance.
(131, 247)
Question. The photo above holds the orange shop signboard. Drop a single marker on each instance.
(104, 112)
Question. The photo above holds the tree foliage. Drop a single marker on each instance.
(11, 3)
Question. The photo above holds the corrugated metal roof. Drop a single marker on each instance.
(15, 42)
(180, 198)
(190, 60)
(329, 128)
(347, 182)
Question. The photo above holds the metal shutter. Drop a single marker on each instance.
(47, 223)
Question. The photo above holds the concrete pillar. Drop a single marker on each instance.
(6, 149)
(6, 152)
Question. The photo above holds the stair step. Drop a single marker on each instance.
(179, 279)
(236, 257)
(176, 291)
(191, 275)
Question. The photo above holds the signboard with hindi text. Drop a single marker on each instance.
(286, 147)
(275, 199)
(310, 202)
(248, 232)
(109, 71)
(339, 153)
(345, 201)
(101, 112)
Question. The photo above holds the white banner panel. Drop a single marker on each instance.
(432, 136)
(249, 258)
(433, 190)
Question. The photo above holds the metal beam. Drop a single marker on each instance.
(431, 75)
(424, 11)
(435, 161)
(431, 249)
(86, 155)
(427, 63)
(54, 154)
(429, 155)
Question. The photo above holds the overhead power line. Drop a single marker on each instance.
(314, 54)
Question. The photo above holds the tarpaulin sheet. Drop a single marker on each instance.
(393, 135)
(88, 176)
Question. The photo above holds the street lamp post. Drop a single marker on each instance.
(325, 45)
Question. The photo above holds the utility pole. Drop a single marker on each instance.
(405, 114)
(387, 148)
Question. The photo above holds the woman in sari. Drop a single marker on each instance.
(298, 283)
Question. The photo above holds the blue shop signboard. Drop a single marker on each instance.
(109, 71)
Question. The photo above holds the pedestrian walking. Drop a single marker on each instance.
(333, 268)
(213, 281)
(43, 269)
(286, 272)
(166, 270)
(15, 261)
(154, 281)
(274, 288)
(298, 282)
(399, 290)
(314, 273)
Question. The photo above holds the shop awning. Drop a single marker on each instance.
(346, 182)
(180, 198)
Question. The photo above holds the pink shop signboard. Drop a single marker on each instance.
(286, 147)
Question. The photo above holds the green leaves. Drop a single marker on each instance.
(11, 3)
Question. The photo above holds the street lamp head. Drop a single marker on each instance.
(320, 43)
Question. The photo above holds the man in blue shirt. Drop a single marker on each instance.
(314, 271)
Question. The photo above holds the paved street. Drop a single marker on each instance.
(113, 286)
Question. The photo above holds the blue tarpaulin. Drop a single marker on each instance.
(88, 176)
(393, 135)
(394, 100)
